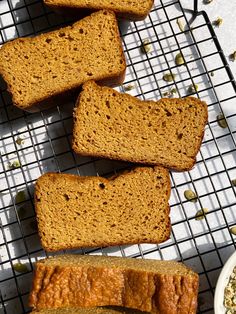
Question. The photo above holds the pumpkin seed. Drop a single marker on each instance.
(193, 88)
(179, 59)
(233, 230)
(170, 93)
(232, 56)
(20, 268)
(14, 165)
(169, 77)
(129, 87)
(20, 197)
(201, 214)
(19, 141)
(22, 212)
(218, 22)
(207, 1)
(190, 196)
(221, 121)
(146, 47)
(180, 24)
(233, 182)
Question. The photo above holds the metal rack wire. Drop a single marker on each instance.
(203, 244)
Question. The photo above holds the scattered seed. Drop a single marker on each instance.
(146, 47)
(20, 197)
(19, 141)
(218, 22)
(233, 182)
(193, 88)
(190, 195)
(201, 214)
(232, 56)
(169, 77)
(20, 268)
(233, 230)
(207, 1)
(212, 73)
(14, 165)
(22, 212)
(170, 93)
(129, 87)
(222, 121)
(179, 59)
(180, 24)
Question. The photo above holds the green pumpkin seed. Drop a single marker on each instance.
(201, 214)
(14, 165)
(207, 1)
(129, 87)
(19, 141)
(169, 77)
(218, 22)
(190, 196)
(22, 211)
(20, 268)
(146, 47)
(20, 197)
(180, 25)
(233, 230)
(193, 88)
(221, 121)
(232, 56)
(233, 182)
(179, 59)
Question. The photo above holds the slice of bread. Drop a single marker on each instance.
(74, 211)
(118, 126)
(93, 310)
(161, 287)
(128, 9)
(47, 69)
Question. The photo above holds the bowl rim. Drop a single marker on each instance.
(221, 284)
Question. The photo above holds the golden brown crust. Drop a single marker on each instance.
(59, 92)
(183, 140)
(115, 214)
(83, 285)
(74, 9)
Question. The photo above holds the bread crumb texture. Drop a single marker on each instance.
(54, 63)
(130, 9)
(113, 125)
(74, 211)
(162, 287)
(93, 310)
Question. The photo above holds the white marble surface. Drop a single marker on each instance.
(226, 33)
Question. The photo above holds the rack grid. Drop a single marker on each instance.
(41, 143)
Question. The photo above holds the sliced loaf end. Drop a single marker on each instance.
(49, 69)
(124, 9)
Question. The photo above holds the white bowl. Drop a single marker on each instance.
(222, 283)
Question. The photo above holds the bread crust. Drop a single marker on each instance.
(58, 97)
(83, 149)
(86, 285)
(51, 242)
(75, 10)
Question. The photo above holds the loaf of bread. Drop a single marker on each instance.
(74, 211)
(49, 68)
(161, 287)
(128, 9)
(118, 126)
(93, 310)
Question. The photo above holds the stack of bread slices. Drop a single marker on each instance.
(128, 208)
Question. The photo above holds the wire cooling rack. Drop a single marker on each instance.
(32, 144)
